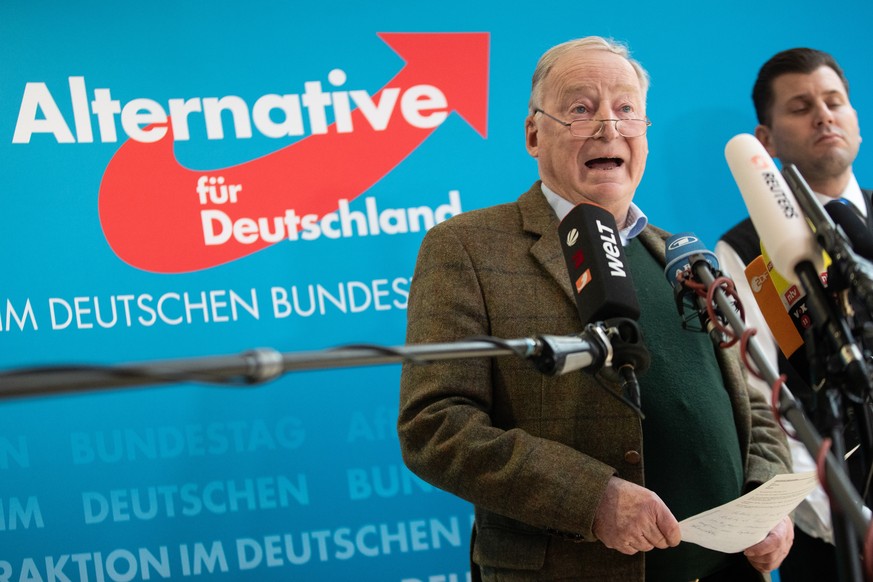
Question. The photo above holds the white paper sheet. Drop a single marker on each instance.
(744, 522)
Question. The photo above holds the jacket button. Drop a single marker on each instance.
(632, 457)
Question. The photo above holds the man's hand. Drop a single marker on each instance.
(767, 554)
(633, 519)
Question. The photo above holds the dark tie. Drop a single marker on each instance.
(854, 208)
(854, 226)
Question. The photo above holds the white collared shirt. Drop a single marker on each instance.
(852, 193)
(634, 224)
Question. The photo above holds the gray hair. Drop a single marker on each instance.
(551, 56)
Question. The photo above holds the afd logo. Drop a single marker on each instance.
(682, 241)
(417, 103)
(162, 217)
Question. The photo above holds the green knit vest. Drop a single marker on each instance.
(691, 452)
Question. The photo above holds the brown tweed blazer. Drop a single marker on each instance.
(532, 453)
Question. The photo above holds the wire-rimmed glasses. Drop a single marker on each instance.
(593, 127)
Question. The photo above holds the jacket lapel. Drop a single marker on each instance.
(539, 219)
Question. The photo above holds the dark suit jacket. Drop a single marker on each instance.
(532, 453)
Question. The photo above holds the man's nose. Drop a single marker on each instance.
(607, 130)
(823, 114)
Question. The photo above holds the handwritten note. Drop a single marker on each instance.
(744, 522)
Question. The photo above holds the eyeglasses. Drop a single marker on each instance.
(593, 127)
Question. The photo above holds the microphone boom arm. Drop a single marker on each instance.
(838, 483)
(591, 349)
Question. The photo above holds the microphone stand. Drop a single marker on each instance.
(854, 271)
(846, 367)
(844, 361)
(615, 343)
(851, 518)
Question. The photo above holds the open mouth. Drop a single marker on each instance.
(604, 163)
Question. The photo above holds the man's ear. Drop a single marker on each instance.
(531, 136)
(764, 135)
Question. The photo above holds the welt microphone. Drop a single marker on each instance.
(603, 287)
(597, 265)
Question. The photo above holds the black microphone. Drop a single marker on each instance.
(855, 229)
(597, 265)
(603, 288)
(849, 268)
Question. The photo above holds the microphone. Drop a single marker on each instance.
(772, 207)
(784, 309)
(793, 250)
(684, 254)
(597, 264)
(847, 268)
(604, 290)
(786, 320)
(856, 231)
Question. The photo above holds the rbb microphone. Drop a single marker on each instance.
(684, 252)
(854, 228)
(596, 262)
(772, 207)
(603, 288)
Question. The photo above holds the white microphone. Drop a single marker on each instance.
(792, 247)
(772, 207)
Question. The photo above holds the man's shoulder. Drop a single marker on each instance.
(507, 215)
(480, 219)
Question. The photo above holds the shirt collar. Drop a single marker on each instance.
(634, 224)
(852, 194)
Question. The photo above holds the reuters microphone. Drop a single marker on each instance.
(772, 207)
(792, 247)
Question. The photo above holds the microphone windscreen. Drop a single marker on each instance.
(680, 248)
(772, 206)
(769, 301)
(597, 265)
(856, 230)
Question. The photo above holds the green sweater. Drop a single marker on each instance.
(691, 454)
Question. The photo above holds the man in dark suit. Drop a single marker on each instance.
(805, 118)
(556, 468)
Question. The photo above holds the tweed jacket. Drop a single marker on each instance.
(533, 453)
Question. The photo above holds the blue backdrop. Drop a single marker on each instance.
(301, 478)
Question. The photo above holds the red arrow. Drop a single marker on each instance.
(150, 210)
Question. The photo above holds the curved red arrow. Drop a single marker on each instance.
(148, 203)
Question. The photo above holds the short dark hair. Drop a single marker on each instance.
(796, 60)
